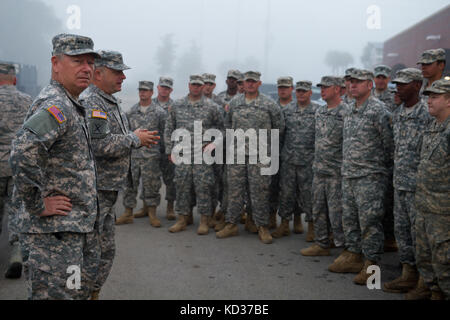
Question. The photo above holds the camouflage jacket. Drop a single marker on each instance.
(299, 135)
(433, 173)
(408, 129)
(112, 139)
(387, 97)
(261, 113)
(328, 139)
(368, 144)
(52, 155)
(165, 106)
(226, 98)
(14, 105)
(153, 120)
(182, 115)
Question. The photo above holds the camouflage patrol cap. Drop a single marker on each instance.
(361, 74)
(111, 59)
(145, 85)
(341, 82)
(303, 85)
(407, 75)
(348, 72)
(241, 77)
(7, 68)
(432, 55)
(382, 70)
(234, 74)
(72, 45)
(439, 87)
(166, 82)
(285, 82)
(252, 75)
(209, 78)
(196, 79)
(329, 81)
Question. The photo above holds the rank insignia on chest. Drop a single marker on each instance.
(99, 114)
(59, 116)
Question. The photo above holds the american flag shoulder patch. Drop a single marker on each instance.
(99, 114)
(59, 116)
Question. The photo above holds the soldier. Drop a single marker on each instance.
(14, 105)
(251, 111)
(145, 163)
(433, 199)
(432, 63)
(55, 178)
(327, 180)
(240, 83)
(163, 100)
(193, 178)
(343, 90)
(381, 91)
(232, 89)
(297, 157)
(347, 98)
(367, 154)
(112, 142)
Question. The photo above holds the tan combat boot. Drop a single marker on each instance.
(390, 245)
(264, 235)
(420, 292)
(437, 295)
(347, 262)
(154, 221)
(310, 233)
(203, 228)
(273, 220)
(95, 295)
(298, 227)
(126, 217)
(220, 224)
(282, 230)
(315, 250)
(362, 276)
(180, 225)
(250, 225)
(229, 230)
(142, 213)
(170, 214)
(406, 282)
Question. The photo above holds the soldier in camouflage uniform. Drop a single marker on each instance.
(232, 78)
(347, 98)
(240, 83)
(145, 163)
(14, 105)
(432, 63)
(433, 199)
(381, 91)
(367, 154)
(112, 142)
(297, 157)
(409, 122)
(163, 100)
(55, 178)
(193, 177)
(247, 112)
(327, 181)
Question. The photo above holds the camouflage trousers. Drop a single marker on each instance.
(295, 196)
(168, 174)
(54, 261)
(405, 229)
(327, 210)
(275, 193)
(243, 180)
(106, 200)
(433, 250)
(9, 207)
(388, 220)
(362, 214)
(195, 179)
(6, 186)
(219, 185)
(149, 171)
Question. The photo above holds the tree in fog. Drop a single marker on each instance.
(165, 55)
(338, 61)
(190, 62)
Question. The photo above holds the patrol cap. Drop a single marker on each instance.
(328, 81)
(432, 55)
(303, 85)
(348, 72)
(72, 45)
(361, 74)
(7, 68)
(382, 70)
(111, 59)
(285, 82)
(241, 77)
(234, 74)
(145, 85)
(341, 82)
(196, 79)
(407, 75)
(209, 78)
(252, 75)
(439, 86)
(166, 82)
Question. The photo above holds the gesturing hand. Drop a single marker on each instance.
(56, 206)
